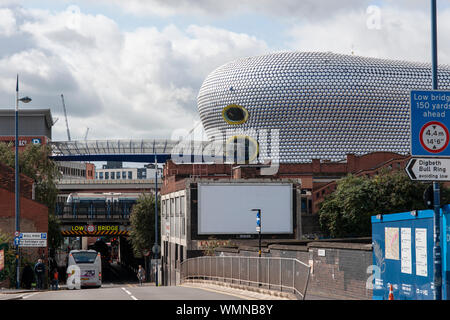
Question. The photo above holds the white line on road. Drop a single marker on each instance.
(129, 293)
(28, 295)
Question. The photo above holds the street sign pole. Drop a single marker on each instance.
(437, 223)
(258, 228)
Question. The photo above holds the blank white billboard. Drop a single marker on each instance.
(226, 208)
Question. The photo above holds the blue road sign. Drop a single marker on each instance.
(16, 241)
(430, 123)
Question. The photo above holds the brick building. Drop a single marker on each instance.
(318, 177)
(33, 215)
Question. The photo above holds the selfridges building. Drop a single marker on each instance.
(297, 106)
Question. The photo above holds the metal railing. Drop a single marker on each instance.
(272, 273)
(93, 210)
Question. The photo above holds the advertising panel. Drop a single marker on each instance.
(226, 208)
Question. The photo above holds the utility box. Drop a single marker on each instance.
(403, 255)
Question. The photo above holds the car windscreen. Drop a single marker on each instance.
(84, 257)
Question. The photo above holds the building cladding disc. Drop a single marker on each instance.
(323, 105)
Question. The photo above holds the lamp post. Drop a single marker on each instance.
(17, 185)
(437, 258)
(156, 246)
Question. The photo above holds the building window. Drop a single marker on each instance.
(182, 206)
(177, 206)
(106, 175)
(130, 175)
(113, 174)
(124, 175)
(163, 208)
(100, 174)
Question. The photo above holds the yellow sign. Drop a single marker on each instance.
(91, 228)
(94, 230)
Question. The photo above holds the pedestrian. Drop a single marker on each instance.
(55, 279)
(39, 270)
(141, 275)
(27, 276)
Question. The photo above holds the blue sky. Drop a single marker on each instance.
(133, 69)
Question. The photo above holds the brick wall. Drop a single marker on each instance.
(338, 269)
(8, 178)
(33, 215)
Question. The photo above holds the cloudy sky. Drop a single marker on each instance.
(133, 69)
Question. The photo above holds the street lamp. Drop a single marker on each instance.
(17, 195)
(156, 247)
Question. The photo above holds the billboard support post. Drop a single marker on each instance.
(258, 229)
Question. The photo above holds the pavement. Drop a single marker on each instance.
(251, 293)
(243, 292)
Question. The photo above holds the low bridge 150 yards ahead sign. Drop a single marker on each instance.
(430, 137)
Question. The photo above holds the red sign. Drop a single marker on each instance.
(434, 137)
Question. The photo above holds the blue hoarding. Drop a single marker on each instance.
(403, 254)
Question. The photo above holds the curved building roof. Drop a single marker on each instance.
(321, 105)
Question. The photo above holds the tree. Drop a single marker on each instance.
(35, 163)
(347, 211)
(142, 223)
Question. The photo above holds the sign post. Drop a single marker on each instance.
(258, 227)
(430, 120)
(32, 239)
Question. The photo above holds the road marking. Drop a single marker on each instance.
(221, 292)
(25, 296)
(130, 294)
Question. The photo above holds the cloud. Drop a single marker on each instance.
(135, 84)
(390, 32)
(7, 22)
(213, 9)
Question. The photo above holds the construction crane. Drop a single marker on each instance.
(65, 115)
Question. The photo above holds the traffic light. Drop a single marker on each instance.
(428, 197)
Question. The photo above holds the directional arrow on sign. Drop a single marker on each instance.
(409, 169)
(428, 169)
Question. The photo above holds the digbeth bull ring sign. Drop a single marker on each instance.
(428, 169)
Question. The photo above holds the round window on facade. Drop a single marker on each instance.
(235, 114)
(242, 149)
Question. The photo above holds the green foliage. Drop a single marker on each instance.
(142, 223)
(34, 162)
(347, 211)
(55, 238)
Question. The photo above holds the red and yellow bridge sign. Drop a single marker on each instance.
(94, 230)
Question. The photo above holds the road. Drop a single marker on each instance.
(125, 292)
